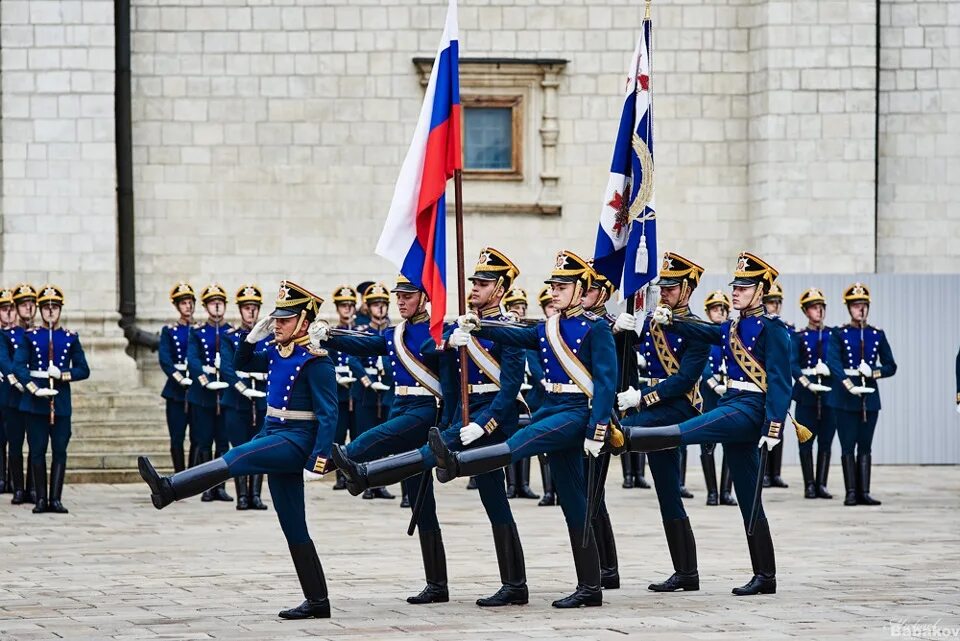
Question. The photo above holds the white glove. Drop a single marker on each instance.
(865, 369)
(345, 380)
(260, 331)
(257, 376)
(54, 372)
(768, 442)
(216, 385)
(216, 361)
(319, 331)
(628, 399)
(380, 387)
(817, 387)
(860, 391)
(180, 367)
(720, 390)
(253, 393)
(309, 476)
(186, 382)
(469, 322)
(592, 447)
(209, 369)
(625, 323)
(527, 386)
(663, 315)
(459, 338)
(471, 432)
(45, 392)
(821, 369)
(641, 361)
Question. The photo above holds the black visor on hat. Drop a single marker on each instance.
(562, 279)
(485, 276)
(668, 282)
(409, 288)
(284, 313)
(744, 282)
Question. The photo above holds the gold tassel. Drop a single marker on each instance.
(803, 432)
(616, 437)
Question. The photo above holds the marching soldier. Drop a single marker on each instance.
(414, 410)
(47, 360)
(8, 320)
(373, 397)
(580, 369)
(756, 352)
(812, 376)
(713, 384)
(243, 405)
(495, 374)
(345, 301)
(670, 396)
(293, 445)
(537, 396)
(25, 300)
(773, 304)
(207, 418)
(859, 356)
(172, 353)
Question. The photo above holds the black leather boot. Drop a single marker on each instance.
(472, 483)
(549, 493)
(652, 439)
(341, 483)
(164, 490)
(478, 460)
(434, 569)
(726, 484)
(709, 465)
(587, 563)
(513, 573)
(220, 493)
(863, 479)
(764, 563)
(849, 467)
(606, 551)
(243, 500)
(683, 552)
(204, 456)
(40, 483)
(404, 500)
(193, 458)
(176, 455)
(523, 481)
(360, 477)
(382, 493)
(511, 474)
(806, 467)
(16, 478)
(312, 582)
(639, 470)
(823, 470)
(31, 491)
(626, 462)
(57, 473)
(776, 463)
(4, 472)
(253, 491)
(684, 492)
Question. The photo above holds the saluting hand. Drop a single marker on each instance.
(261, 330)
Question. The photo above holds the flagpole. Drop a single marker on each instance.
(461, 294)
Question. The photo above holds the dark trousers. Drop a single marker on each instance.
(366, 417)
(823, 426)
(346, 423)
(242, 425)
(209, 428)
(178, 419)
(856, 434)
(283, 461)
(40, 432)
(665, 464)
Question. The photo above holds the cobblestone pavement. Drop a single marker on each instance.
(115, 568)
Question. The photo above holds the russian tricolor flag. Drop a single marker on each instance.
(414, 235)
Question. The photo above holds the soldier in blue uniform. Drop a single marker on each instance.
(518, 474)
(363, 315)
(244, 405)
(670, 396)
(494, 374)
(345, 301)
(295, 441)
(207, 419)
(859, 355)
(810, 389)
(414, 410)
(773, 304)
(47, 360)
(537, 395)
(713, 385)
(25, 300)
(172, 353)
(580, 370)
(756, 352)
(8, 319)
(14, 421)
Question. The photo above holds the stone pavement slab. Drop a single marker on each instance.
(115, 568)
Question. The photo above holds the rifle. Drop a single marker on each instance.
(49, 363)
(216, 360)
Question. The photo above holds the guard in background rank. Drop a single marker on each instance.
(208, 420)
(756, 352)
(293, 445)
(244, 404)
(538, 395)
(8, 319)
(373, 397)
(810, 389)
(713, 385)
(518, 474)
(46, 362)
(670, 396)
(24, 299)
(773, 304)
(345, 300)
(580, 370)
(362, 316)
(172, 353)
(859, 355)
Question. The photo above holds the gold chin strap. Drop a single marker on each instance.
(577, 294)
(300, 321)
(684, 288)
(757, 296)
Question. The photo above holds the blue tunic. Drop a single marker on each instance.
(171, 353)
(33, 355)
(844, 356)
(809, 348)
(233, 396)
(201, 350)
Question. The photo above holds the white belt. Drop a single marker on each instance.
(291, 415)
(744, 386)
(257, 376)
(342, 369)
(562, 388)
(809, 371)
(410, 390)
(180, 367)
(483, 388)
(852, 372)
(39, 373)
(371, 371)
